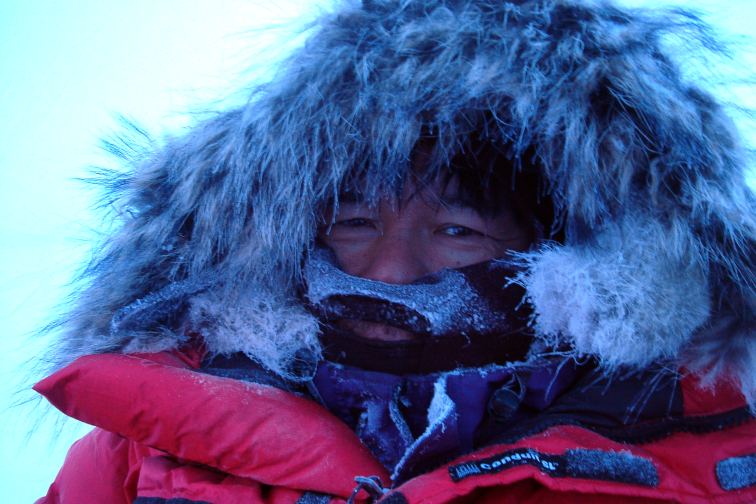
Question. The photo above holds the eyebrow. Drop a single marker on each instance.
(351, 197)
(454, 200)
(459, 202)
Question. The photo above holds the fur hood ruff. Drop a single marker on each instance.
(645, 170)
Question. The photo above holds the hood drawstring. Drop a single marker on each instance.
(372, 485)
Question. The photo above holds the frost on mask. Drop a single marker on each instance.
(476, 299)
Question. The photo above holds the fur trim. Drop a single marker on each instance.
(626, 297)
(267, 329)
(725, 348)
(583, 88)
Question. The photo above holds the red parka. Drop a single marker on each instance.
(609, 140)
(166, 433)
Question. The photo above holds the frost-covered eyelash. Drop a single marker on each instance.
(468, 231)
(354, 222)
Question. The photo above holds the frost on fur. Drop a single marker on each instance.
(584, 88)
(628, 299)
(725, 348)
(270, 331)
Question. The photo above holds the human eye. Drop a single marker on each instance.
(355, 222)
(458, 231)
(349, 228)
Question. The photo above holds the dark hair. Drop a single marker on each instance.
(490, 180)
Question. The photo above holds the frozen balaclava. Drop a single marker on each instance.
(472, 315)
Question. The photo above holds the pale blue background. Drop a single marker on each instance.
(66, 70)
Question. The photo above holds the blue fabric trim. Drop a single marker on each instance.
(610, 466)
(314, 498)
(737, 473)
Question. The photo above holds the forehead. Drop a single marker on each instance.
(479, 175)
(442, 190)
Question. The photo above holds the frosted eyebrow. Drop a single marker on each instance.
(456, 201)
(352, 197)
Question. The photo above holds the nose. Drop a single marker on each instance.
(394, 259)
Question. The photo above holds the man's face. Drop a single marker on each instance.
(426, 231)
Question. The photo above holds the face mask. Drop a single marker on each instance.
(474, 300)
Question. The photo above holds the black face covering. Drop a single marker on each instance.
(464, 317)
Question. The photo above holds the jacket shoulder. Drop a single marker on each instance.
(96, 470)
(245, 430)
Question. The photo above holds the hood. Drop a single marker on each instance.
(644, 169)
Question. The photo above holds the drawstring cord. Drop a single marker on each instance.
(371, 484)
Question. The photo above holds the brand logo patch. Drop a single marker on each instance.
(620, 466)
(546, 463)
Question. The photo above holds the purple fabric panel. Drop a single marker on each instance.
(390, 412)
(544, 383)
(470, 392)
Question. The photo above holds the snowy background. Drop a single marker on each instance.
(67, 70)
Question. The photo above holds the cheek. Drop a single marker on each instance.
(444, 255)
(351, 261)
(351, 256)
